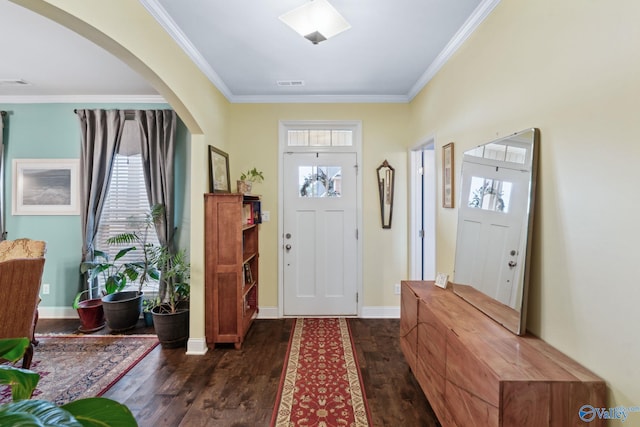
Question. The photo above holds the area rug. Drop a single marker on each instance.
(321, 383)
(76, 366)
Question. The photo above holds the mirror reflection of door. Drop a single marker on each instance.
(493, 206)
(320, 256)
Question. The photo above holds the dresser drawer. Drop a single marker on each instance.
(469, 410)
(467, 371)
(409, 325)
(432, 339)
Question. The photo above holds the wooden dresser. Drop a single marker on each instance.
(476, 373)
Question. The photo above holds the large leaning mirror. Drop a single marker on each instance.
(495, 218)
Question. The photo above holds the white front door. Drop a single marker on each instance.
(490, 227)
(319, 234)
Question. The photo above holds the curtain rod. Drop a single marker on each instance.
(125, 111)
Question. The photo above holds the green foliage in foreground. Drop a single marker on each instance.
(89, 412)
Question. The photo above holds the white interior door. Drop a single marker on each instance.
(320, 234)
(493, 202)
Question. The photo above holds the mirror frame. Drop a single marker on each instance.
(510, 318)
(386, 179)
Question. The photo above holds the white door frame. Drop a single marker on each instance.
(422, 190)
(283, 127)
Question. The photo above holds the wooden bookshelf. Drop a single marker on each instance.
(231, 266)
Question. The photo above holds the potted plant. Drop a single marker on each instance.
(171, 315)
(247, 179)
(147, 306)
(122, 308)
(90, 312)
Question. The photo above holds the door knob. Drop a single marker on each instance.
(512, 264)
(288, 247)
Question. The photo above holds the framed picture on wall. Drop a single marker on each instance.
(45, 187)
(447, 176)
(219, 181)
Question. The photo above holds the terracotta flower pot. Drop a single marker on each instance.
(91, 313)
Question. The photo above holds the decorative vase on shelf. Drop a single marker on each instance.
(244, 187)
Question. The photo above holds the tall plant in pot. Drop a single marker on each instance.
(122, 308)
(171, 315)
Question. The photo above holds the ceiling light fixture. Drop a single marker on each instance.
(316, 21)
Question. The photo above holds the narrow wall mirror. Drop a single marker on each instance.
(385, 174)
(495, 219)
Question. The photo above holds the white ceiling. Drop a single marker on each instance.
(391, 51)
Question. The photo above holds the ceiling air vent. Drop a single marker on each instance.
(290, 83)
(13, 82)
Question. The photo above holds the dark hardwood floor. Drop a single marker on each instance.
(237, 388)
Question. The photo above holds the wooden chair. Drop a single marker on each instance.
(21, 267)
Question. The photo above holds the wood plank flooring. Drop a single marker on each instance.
(237, 388)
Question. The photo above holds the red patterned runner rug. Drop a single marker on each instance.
(321, 384)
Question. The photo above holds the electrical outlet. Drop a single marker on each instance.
(266, 216)
(396, 288)
(45, 289)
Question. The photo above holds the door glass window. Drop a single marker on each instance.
(320, 181)
(490, 194)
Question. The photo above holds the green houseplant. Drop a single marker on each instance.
(122, 308)
(93, 411)
(171, 315)
(247, 179)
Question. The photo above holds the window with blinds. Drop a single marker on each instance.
(126, 204)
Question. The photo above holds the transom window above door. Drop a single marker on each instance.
(319, 138)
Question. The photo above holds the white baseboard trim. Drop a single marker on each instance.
(57, 313)
(373, 312)
(380, 312)
(196, 346)
(268, 313)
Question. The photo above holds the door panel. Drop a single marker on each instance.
(491, 212)
(320, 253)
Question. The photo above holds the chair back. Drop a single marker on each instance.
(22, 248)
(19, 293)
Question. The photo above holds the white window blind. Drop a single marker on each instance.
(125, 206)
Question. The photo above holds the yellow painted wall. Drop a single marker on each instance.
(253, 141)
(572, 69)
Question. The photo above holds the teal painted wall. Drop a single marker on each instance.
(51, 131)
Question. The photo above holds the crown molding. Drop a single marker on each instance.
(479, 15)
(319, 99)
(160, 14)
(82, 99)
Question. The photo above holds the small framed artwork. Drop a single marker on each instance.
(219, 181)
(442, 280)
(45, 187)
(447, 176)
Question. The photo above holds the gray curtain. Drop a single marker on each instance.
(3, 233)
(101, 132)
(158, 129)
